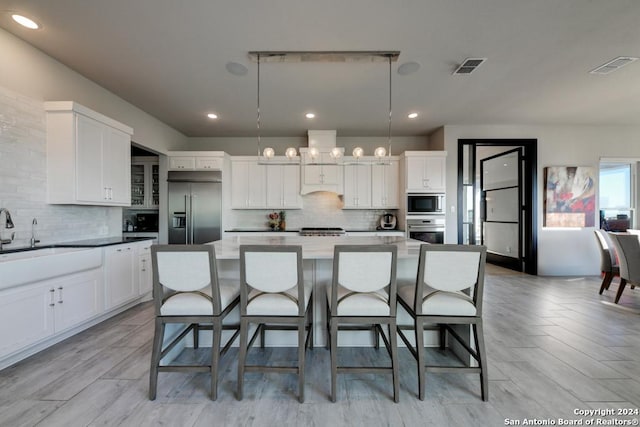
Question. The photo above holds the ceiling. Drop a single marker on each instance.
(169, 58)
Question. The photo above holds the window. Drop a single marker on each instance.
(616, 196)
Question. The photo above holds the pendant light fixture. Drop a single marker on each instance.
(381, 154)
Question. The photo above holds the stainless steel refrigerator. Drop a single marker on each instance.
(195, 206)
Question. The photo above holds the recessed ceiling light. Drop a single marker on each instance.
(236, 69)
(408, 68)
(413, 115)
(25, 22)
(212, 116)
(309, 115)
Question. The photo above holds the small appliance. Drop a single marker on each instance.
(387, 221)
(425, 203)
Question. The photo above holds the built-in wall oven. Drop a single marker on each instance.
(425, 203)
(428, 229)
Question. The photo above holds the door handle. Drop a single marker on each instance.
(187, 221)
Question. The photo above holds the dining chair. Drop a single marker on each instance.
(274, 296)
(448, 292)
(628, 250)
(186, 290)
(362, 293)
(608, 259)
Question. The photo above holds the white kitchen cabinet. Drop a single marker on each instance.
(283, 187)
(357, 186)
(196, 160)
(323, 176)
(145, 183)
(145, 271)
(385, 184)
(32, 313)
(248, 184)
(121, 274)
(88, 157)
(425, 171)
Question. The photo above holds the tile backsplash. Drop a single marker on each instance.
(320, 209)
(23, 181)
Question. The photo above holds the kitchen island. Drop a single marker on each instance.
(317, 254)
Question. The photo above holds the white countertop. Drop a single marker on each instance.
(313, 247)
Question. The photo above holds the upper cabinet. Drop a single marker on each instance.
(144, 183)
(357, 186)
(385, 185)
(88, 157)
(320, 175)
(425, 171)
(255, 186)
(196, 160)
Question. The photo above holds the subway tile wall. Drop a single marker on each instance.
(23, 181)
(321, 209)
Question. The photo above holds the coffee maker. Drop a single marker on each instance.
(387, 221)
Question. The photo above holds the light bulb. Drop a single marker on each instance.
(380, 152)
(358, 152)
(313, 153)
(268, 152)
(290, 153)
(335, 153)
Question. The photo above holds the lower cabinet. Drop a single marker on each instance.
(121, 277)
(145, 272)
(31, 313)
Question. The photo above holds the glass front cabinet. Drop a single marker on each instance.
(144, 183)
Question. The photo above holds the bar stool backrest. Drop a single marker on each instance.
(451, 268)
(184, 268)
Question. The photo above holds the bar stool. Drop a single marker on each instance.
(186, 290)
(273, 295)
(448, 291)
(363, 292)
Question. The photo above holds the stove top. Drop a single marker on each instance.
(321, 231)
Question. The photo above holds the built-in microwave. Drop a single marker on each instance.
(425, 203)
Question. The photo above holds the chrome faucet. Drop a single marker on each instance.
(8, 224)
(33, 233)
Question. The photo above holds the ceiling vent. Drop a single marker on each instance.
(613, 65)
(469, 65)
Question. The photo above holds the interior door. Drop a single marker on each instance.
(501, 208)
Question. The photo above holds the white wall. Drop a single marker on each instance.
(560, 252)
(28, 77)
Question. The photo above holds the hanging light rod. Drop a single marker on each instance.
(325, 56)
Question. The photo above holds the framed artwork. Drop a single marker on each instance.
(570, 196)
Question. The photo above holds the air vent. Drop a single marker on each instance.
(614, 64)
(469, 65)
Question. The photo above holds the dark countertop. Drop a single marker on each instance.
(261, 230)
(88, 243)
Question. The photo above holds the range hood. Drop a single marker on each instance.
(319, 170)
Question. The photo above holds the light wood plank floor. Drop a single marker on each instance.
(554, 346)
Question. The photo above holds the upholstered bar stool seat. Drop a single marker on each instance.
(187, 291)
(360, 304)
(280, 304)
(438, 303)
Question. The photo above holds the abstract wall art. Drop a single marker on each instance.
(570, 196)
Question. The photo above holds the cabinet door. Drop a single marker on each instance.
(209, 163)
(182, 163)
(357, 186)
(415, 173)
(138, 185)
(116, 170)
(275, 186)
(145, 278)
(77, 298)
(26, 317)
(291, 197)
(434, 173)
(384, 185)
(120, 273)
(89, 160)
(154, 186)
(248, 185)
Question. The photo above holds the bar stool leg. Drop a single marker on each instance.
(244, 339)
(158, 337)
(393, 340)
(301, 357)
(215, 357)
(334, 356)
(419, 331)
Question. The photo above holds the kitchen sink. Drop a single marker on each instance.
(19, 268)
